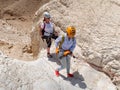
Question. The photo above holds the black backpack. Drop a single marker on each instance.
(43, 30)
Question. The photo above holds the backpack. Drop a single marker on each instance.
(43, 30)
(61, 42)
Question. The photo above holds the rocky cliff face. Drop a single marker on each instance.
(39, 75)
(98, 33)
(98, 29)
(15, 27)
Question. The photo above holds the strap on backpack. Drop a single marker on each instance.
(43, 30)
(61, 42)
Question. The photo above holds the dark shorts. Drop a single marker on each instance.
(49, 39)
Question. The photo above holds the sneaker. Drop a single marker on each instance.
(48, 55)
(70, 75)
(57, 73)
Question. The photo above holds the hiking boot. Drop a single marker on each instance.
(70, 75)
(48, 55)
(57, 73)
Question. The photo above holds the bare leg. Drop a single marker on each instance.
(48, 50)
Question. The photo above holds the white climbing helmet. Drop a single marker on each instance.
(46, 15)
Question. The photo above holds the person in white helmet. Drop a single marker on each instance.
(47, 32)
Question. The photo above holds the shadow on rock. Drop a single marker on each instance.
(54, 58)
(77, 80)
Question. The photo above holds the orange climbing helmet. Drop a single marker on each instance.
(71, 31)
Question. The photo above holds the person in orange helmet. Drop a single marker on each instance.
(64, 49)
